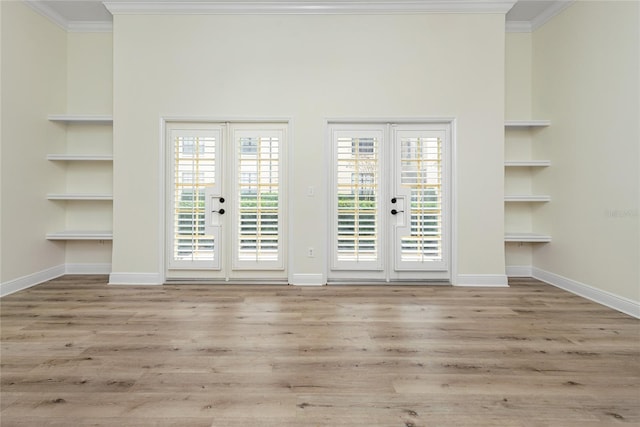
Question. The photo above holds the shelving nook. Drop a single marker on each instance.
(518, 197)
(88, 178)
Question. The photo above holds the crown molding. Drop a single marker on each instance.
(518, 27)
(325, 7)
(550, 12)
(43, 9)
(90, 27)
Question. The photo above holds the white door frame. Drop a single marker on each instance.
(450, 122)
(165, 120)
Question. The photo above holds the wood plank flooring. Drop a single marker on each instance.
(77, 352)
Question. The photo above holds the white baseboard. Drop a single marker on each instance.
(307, 280)
(625, 305)
(30, 280)
(519, 271)
(482, 280)
(135, 279)
(88, 268)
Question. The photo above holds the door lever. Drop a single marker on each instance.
(395, 212)
(221, 211)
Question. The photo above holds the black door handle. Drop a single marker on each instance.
(395, 212)
(221, 211)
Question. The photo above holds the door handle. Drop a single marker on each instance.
(221, 211)
(395, 212)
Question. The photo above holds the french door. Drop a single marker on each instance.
(390, 202)
(226, 201)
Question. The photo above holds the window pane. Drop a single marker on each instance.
(194, 171)
(259, 201)
(421, 174)
(357, 193)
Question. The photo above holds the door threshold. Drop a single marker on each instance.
(434, 282)
(261, 282)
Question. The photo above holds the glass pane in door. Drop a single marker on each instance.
(258, 178)
(194, 172)
(357, 182)
(421, 179)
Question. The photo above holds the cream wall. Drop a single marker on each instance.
(33, 86)
(308, 69)
(89, 91)
(586, 81)
(518, 80)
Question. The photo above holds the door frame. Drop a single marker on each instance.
(450, 122)
(163, 200)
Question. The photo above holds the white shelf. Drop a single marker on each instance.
(527, 163)
(78, 158)
(80, 235)
(526, 198)
(77, 118)
(526, 123)
(527, 238)
(79, 196)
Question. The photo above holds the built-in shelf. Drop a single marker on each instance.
(527, 163)
(80, 235)
(79, 118)
(526, 198)
(78, 158)
(526, 123)
(79, 196)
(527, 238)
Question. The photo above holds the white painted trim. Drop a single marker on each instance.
(87, 268)
(308, 280)
(309, 7)
(135, 279)
(30, 280)
(519, 271)
(482, 280)
(554, 9)
(622, 304)
(453, 200)
(90, 27)
(43, 9)
(289, 242)
(518, 27)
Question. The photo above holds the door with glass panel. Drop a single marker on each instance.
(389, 210)
(226, 201)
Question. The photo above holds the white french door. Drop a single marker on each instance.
(390, 202)
(226, 201)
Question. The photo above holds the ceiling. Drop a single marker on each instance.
(92, 15)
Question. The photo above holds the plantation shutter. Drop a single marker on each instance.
(356, 216)
(258, 220)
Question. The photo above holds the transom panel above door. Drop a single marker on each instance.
(389, 210)
(226, 201)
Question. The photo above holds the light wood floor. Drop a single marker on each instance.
(78, 352)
